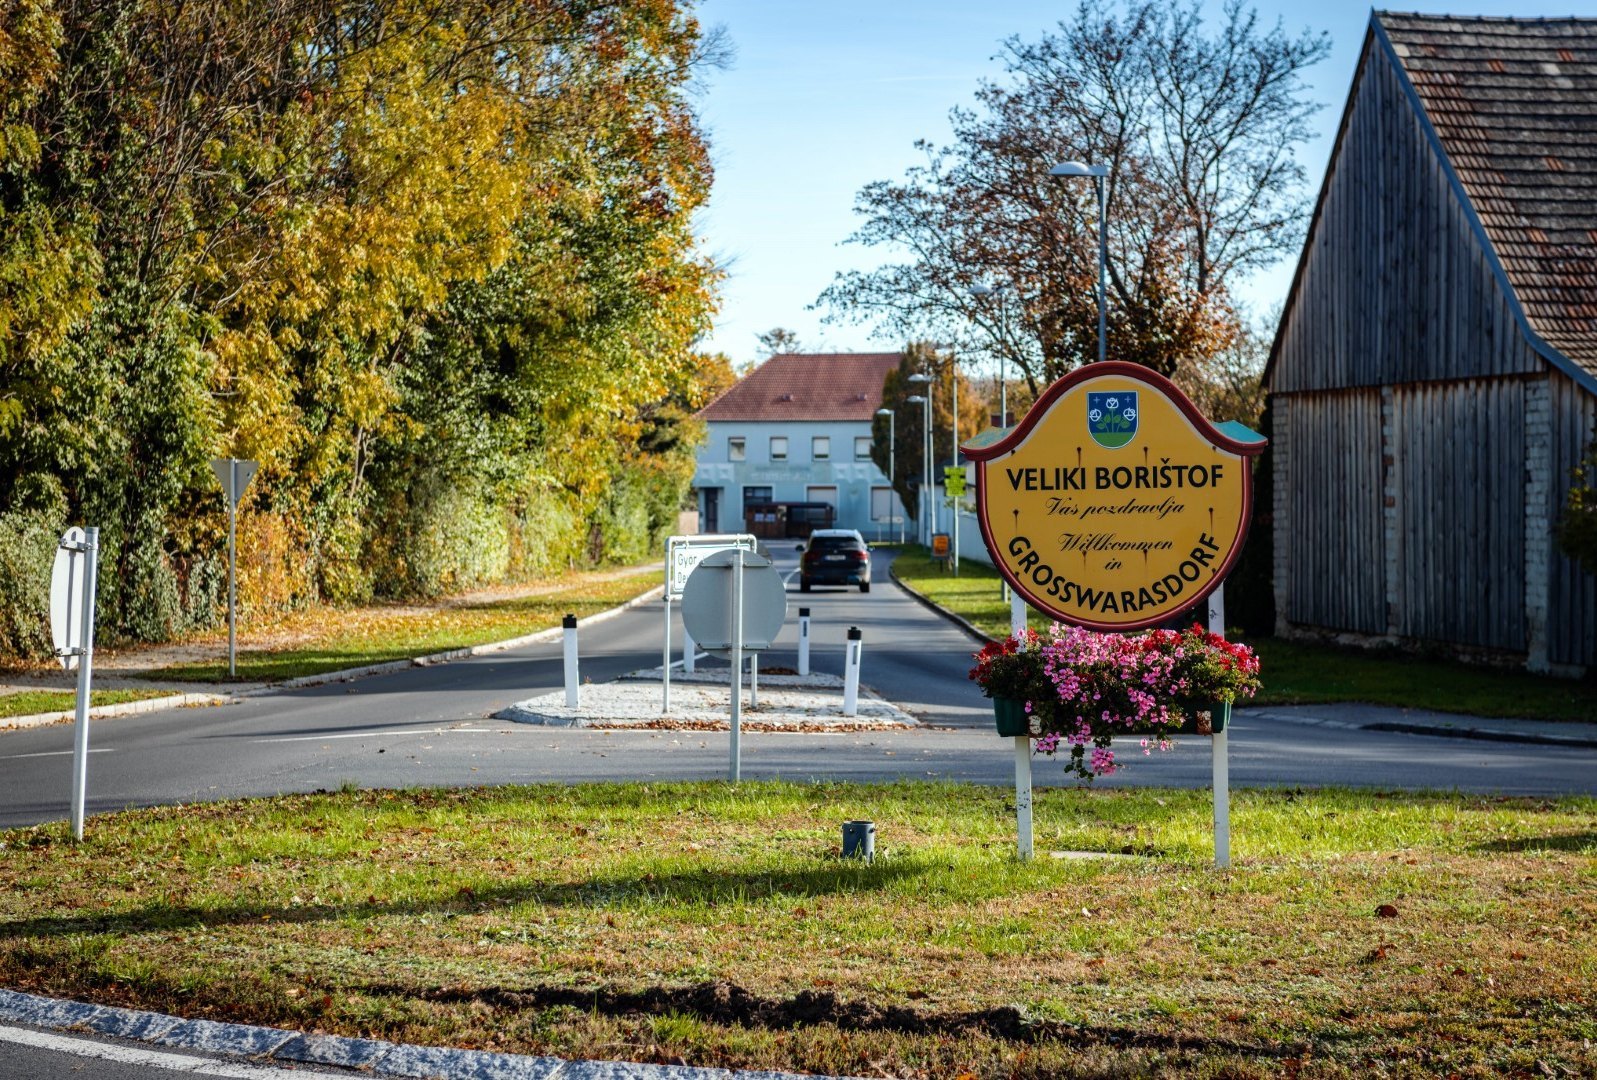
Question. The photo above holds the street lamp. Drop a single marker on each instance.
(1099, 173)
(892, 462)
(979, 292)
(922, 520)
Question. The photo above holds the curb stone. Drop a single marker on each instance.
(1404, 727)
(173, 701)
(926, 601)
(373, 1057)
(126, 708)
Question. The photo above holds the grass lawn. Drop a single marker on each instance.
(334, 639)
(1362, 934)
(1296, 673)
(31, 702)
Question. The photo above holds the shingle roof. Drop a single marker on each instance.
(1514, 103)
(807, 386)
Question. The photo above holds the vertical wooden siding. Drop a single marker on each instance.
(1459, 451)
(1334, 501)
(1394, 287)
(1572, 599)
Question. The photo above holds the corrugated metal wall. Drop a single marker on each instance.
(1459, 461)
(1338, 577)
(1572, 600)
(1395, 287)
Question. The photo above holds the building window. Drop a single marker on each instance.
(778, 447)
(756, 496)
(862, 448)
(820, 447)
(736, 448)
(884, 505)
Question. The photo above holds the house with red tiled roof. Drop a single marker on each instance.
(792, 437)
(1433, 379)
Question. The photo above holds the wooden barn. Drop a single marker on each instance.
(1434, 376)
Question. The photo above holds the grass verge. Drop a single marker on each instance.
(1298, 673)
(1367, 932)
(32, 702)
(333, 640)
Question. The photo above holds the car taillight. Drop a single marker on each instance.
(857, 556)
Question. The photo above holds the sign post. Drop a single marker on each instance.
(1221, 749)
(734, 602)
(682, 555)
(1116, 505)
(72, 593)
(235, 475)
(954, 487)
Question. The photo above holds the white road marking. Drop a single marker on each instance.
(58, 753)
(420, 732)
(155, 1059)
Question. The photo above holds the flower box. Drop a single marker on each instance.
(1086, 688)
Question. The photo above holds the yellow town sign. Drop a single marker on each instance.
(1114, 504)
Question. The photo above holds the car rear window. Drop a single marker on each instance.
(834, 543)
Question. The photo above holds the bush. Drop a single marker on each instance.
(1577, 531)
(27, 550)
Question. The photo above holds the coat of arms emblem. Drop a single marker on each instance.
(1112, 417)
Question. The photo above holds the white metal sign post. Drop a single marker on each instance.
(1023, 848)
(1222, 763)
(735, 604)
(682, 555)
(235, 475)
(735, 766)
(72, 589)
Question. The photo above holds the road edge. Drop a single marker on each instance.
(388, 667)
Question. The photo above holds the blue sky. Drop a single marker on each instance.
(825, 96)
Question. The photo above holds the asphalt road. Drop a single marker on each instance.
(432, 726)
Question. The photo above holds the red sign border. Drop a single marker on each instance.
(1035, 415)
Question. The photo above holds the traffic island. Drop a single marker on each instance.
(701, 702)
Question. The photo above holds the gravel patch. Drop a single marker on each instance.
(702, 702)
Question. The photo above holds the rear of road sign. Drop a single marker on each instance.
(66, 597)
(707, 603)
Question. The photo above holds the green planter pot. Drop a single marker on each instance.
(1012, 717)
(1219, 716)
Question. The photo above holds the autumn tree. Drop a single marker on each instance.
(432, 265)
(903, 455)
(1199, 127)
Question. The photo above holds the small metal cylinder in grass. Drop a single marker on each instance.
(859, 840)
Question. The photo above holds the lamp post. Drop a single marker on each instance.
(892, 462)
(953, 509)
(1099, 173)
(922, 519)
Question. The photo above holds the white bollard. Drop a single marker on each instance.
(573, 686)
(689, 648)
(851, 672)
(804, 641)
